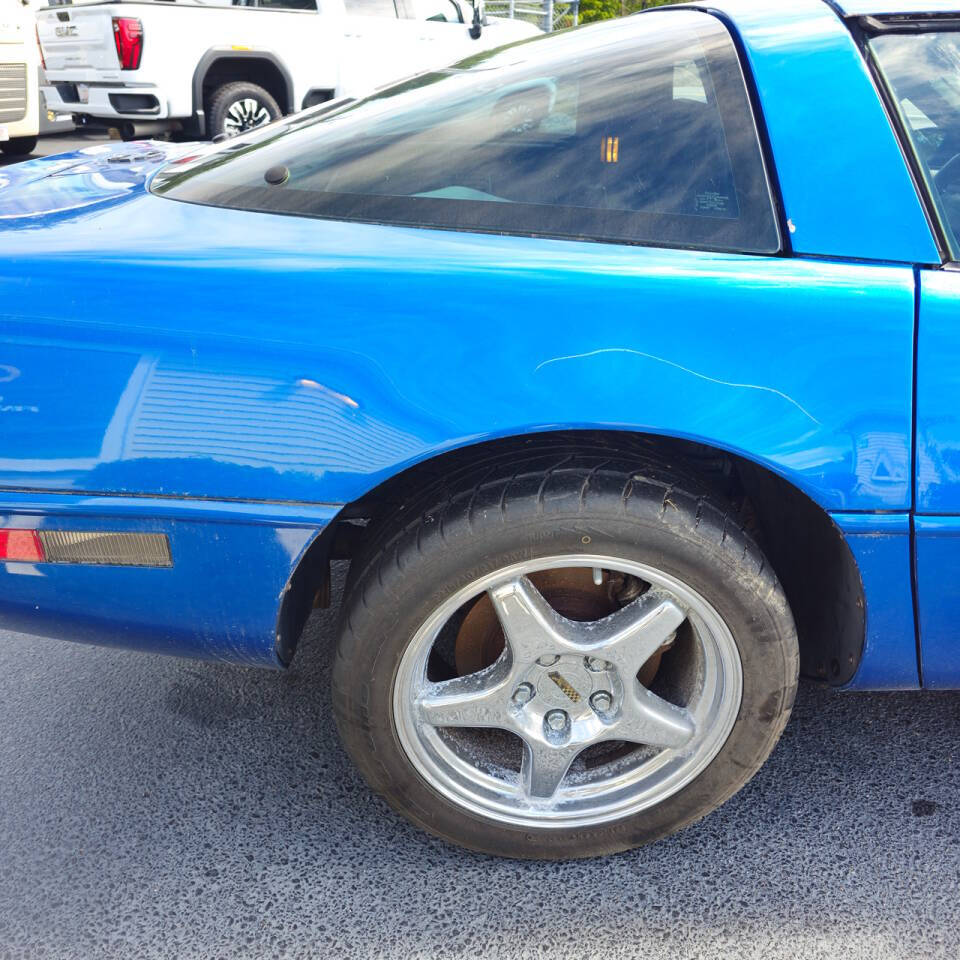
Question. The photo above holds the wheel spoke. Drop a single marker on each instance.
(649, 719)
(476, 700)
(631, 635)
(543, 767)
(531, 626)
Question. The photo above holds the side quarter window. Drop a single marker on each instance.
(371, 8)
(636, 132)
(439, 11)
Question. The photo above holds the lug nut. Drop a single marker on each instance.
(556, 720)
(548, 660)
(523, 694)
(596, 664)
(601, 701)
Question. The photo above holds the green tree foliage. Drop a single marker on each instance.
(608, 9)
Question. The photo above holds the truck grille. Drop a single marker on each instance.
(13, 92)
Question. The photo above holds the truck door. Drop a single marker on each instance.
(442, 33)
(379, 46)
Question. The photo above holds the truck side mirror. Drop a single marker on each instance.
(479, 19)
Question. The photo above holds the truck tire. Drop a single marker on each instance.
(240, 106)
(504, 653)
(18, 146)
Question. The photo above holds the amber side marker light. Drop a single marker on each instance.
(85, 546)
(609, 149)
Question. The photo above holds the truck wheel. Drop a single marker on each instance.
(18, 146)
(565, 662)
(238, 107)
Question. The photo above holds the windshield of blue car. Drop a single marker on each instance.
(922, 72)
(640, 131)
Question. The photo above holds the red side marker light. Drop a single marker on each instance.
(23, 545)
(103, 547)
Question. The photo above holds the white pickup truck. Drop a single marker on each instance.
(19, 113)
(220, 67)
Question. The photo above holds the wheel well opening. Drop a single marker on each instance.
(807, 550)
(264, 73)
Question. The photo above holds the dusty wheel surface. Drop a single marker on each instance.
(563, 663)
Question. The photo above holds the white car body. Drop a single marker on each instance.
(310, 55)
(19, 59)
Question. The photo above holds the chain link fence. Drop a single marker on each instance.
(546, 14)
(557, 14)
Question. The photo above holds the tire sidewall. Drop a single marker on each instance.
(762, 629)
(19, 146)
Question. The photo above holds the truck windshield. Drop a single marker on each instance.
(922, 72)
(636, 131)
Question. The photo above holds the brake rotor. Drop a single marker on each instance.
(572, 592)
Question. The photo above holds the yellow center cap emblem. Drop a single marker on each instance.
(565, 686)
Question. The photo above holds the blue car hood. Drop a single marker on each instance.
(96, 174)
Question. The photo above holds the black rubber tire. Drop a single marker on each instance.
(229, 93)
(580, 504)
(19, 146)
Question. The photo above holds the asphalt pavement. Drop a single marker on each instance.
(51, 144)
(161, 808)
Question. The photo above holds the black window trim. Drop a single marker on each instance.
(351, 211)
(759, 124)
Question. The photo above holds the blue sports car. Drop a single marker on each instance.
(622, 364)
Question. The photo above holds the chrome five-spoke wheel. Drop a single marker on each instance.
(587, 736)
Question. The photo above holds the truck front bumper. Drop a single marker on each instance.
(21, 128)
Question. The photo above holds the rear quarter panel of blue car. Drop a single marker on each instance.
(232, 378)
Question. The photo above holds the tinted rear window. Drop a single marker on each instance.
(634, 131)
